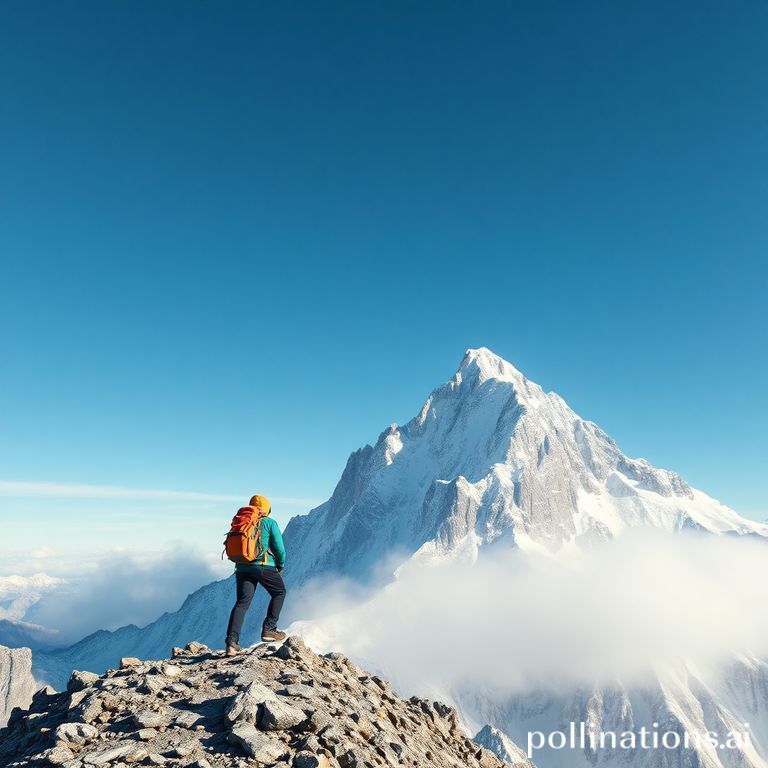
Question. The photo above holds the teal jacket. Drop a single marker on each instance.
(271, 543)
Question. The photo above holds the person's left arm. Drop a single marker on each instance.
(276, 545)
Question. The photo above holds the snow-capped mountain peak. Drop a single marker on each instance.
(489, 456)
(485, 364)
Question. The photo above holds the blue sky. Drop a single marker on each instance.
(239, 239)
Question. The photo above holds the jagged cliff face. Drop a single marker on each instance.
(16, 681)
(282, 705)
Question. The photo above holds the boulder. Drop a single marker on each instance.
(76, 733)
(196, 648)
(186, 719)
(171, 670)
(149, 718)
(256, 744)
(279, 715)
(57, 755)
(80, 680)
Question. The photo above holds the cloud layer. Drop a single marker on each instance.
(515, 621)
(123, 588)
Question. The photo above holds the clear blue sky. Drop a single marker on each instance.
(238, 239)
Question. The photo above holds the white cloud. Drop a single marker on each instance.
(515, 621)
(124, 588)
(42, 553)
(86, 491)
(18, 593)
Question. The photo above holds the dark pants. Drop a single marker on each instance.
(247, 581)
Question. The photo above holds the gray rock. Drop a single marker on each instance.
(260, 692)
(135, 755)
(299, 690)
(128, 751)
(319, 720)
(185, 748)
(172, 670)
(278, 715)
(57, 755)
(76, 733)
(256, 744)
(242, 708)
(196, 648)
(332, 735)
(186, 719)
(76, 698)
(245, 704)
(42, 695)
(352, 758)
(149, 719)
(129, 662)
(310, 743)
(89, 709)
(80, 680)
(244, 677)
(152, 684)
(310, 760)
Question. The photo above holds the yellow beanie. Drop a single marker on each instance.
(261, 502)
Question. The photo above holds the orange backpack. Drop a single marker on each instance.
(243, 542)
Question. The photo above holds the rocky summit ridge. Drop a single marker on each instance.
(272, 705)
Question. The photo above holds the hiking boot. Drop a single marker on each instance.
(272, 635)
(233, 649)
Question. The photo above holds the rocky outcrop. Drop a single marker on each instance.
(273, 704)
(16, 681)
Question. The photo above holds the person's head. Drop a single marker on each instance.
(261, 502)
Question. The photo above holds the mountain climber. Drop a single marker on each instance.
(259, 556)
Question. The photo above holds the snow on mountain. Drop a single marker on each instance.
(492, 456)
(17, 685)
(490, 459)
(501, 745)
(19, 593)
(678, 701)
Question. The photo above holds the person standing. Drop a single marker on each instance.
(265, 568)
